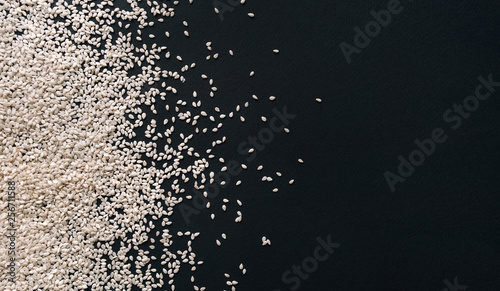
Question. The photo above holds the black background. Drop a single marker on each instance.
(441, 223)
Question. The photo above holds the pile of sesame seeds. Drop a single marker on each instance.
(74, 92)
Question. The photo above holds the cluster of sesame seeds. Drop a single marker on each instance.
(72, 112)
(266, 241)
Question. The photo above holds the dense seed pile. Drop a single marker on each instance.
(73, 92)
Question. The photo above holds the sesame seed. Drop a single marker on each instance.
(118, 143)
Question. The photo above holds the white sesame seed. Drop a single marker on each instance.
(117, 170)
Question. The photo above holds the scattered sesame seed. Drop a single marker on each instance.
(99, 85)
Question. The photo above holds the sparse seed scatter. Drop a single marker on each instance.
(102, 125)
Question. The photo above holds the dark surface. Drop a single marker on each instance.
(441, 223)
